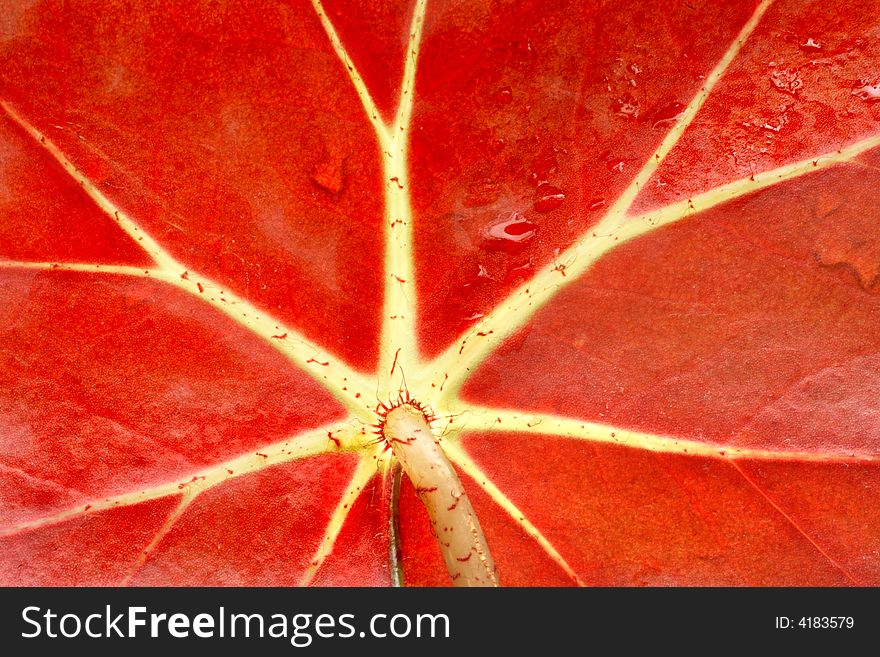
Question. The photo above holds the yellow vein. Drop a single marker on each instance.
(331, 438)
(346, 385)
(398, 351)
(365, 470)
(463, 461)
(353, 74)
(186, 499)
(408, 84)
(673, 212)
(145, 241)
(119, 270)
(476, 419)
(794, 524)
(618, 210)
(451, 368)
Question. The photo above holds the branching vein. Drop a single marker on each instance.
(458, 456)
(365, 471)
(346, 385)
(479, 419)
(341, 436)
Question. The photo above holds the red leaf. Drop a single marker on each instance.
(623, 259)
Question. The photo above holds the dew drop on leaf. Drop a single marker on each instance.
(329, 175)
(482, 192)
(870, 93)
(503, 96)
(548, 198)
(509, 235)
(627, 106)
(668, 115)
(787, 80)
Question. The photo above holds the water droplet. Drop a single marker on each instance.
(503, 96)
(519, 272)
(616, 165)
(510, 235)
(329, 175)
(634, 69)
(544, 166)
(668, 115)
(548, 198)
(787, 80)
(627, 106)
(869, 93)
(810, 45)
(596, 203)
(480, 277)
(482, 192)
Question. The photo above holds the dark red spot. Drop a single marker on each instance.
(312, 360)
(280, 337)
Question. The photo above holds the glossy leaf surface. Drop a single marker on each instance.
(627, 253)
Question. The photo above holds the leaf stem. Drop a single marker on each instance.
(453, 519)
(394, 546)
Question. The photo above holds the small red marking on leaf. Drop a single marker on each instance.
(201, 289)
(397, 182)
(185, 275)
(280, 337)
(312, 360)
(335, 440)
(394, 364)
